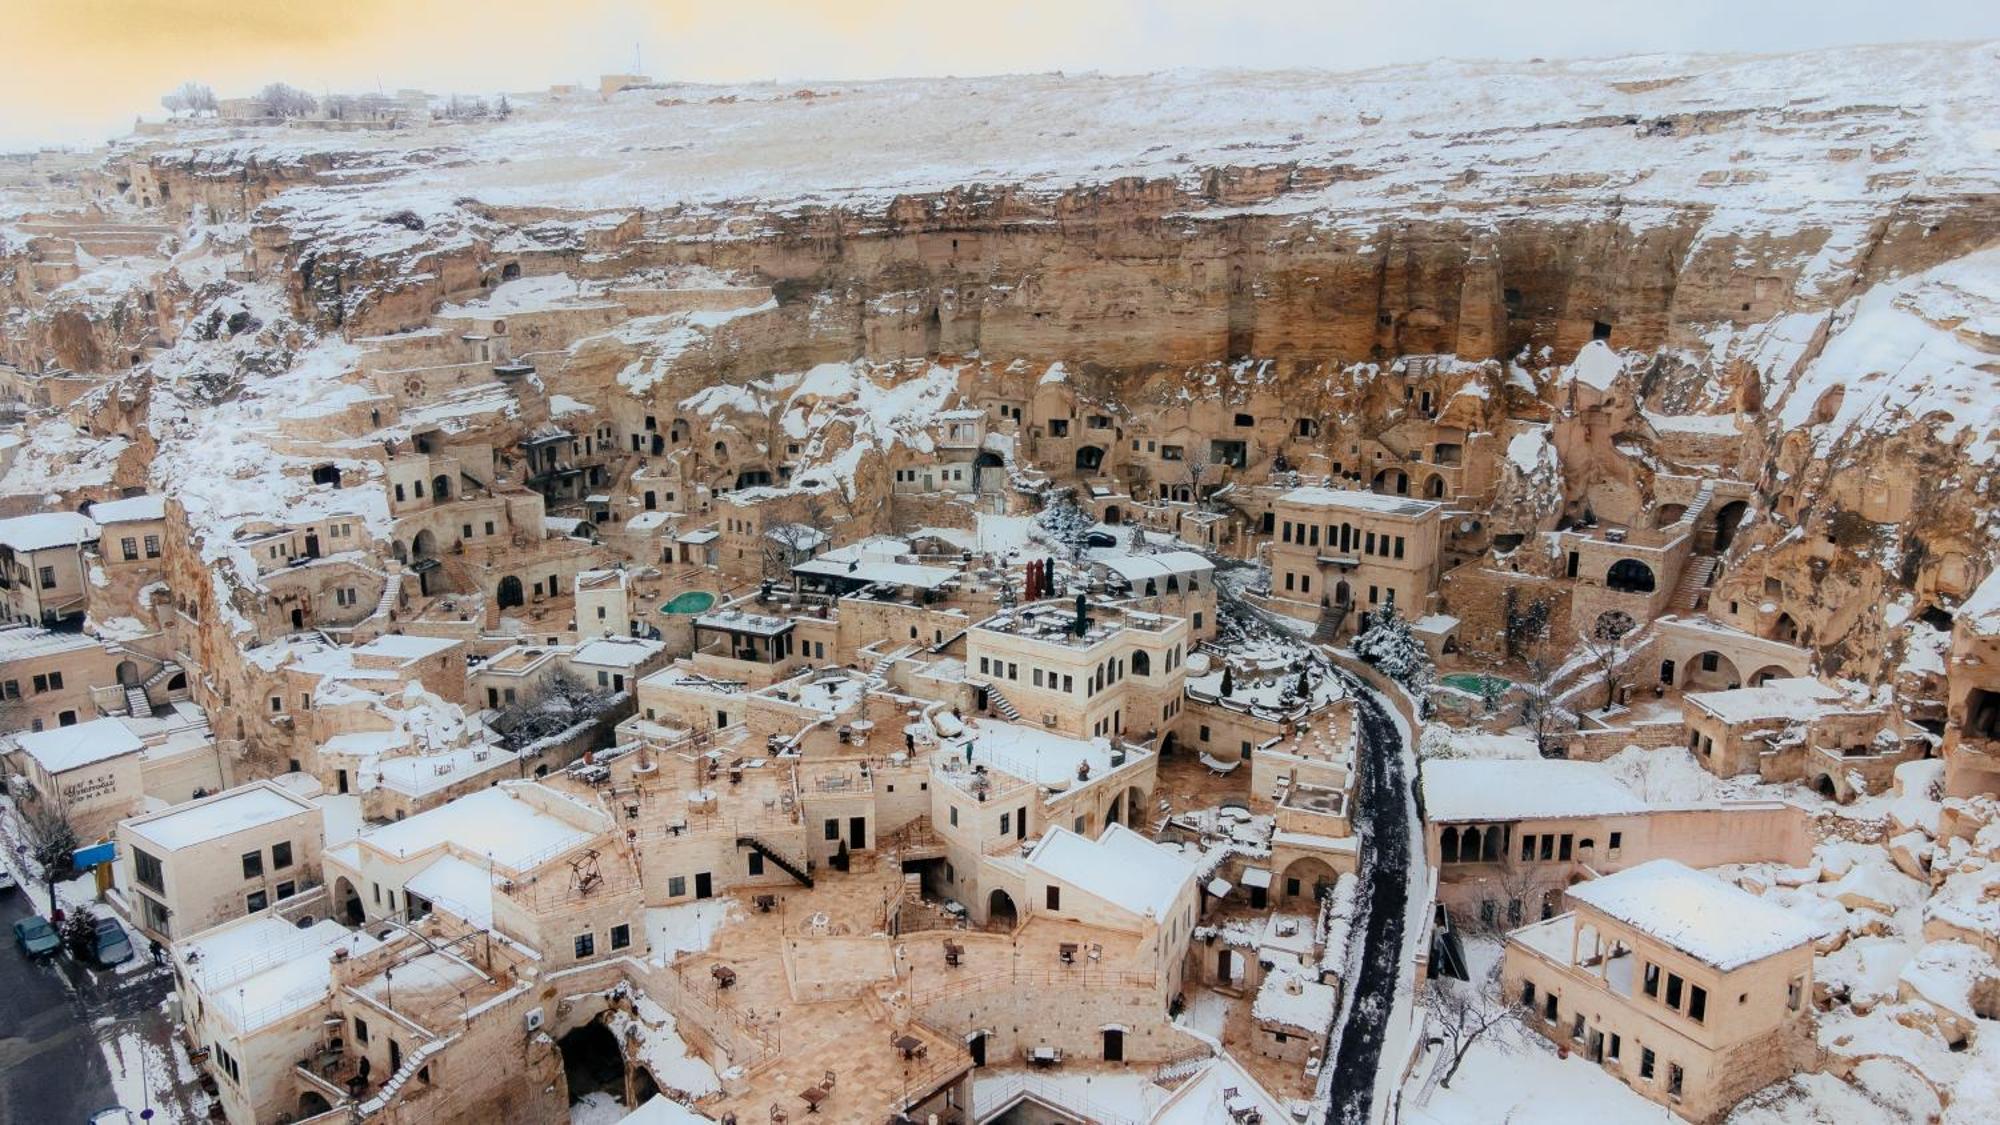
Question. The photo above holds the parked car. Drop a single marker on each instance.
(97, 939)
(35, 936)
(116, 1115)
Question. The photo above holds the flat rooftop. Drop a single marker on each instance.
(1710, 920)
(1355, 500)
(493, 822)
(225, 814)
(1524, 789)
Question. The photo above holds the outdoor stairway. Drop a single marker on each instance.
(775, 856)
(391, 590)
(136, 703)
(1698, 509)
(1695, 578)
(880, 669)
(1000, 704)
(1328, 630)
(167, 672)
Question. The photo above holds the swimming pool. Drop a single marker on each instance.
(1477, 683)
(690, 601)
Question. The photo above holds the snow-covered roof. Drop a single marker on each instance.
(132, 509)
(1220, 1091)
(1795, 697)
(737, 621)
(459, 885)
(405, 647)
(492, 822)
(1138, 568)
(1290, 997)
(1351, 499)
(211, 818)
(43, 530)
(80, 744)
(890, 571)
(1521, 789)
(699, 535)
(21, 642)
(261, 969)
(1708, 919)
(1120, 867)
(617, 652)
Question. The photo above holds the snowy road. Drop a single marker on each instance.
(1385, 811)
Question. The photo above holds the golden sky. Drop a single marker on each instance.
(78, 71)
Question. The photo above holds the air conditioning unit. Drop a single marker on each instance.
(534, 1019)
(1048, 718)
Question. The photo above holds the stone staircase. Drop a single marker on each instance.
(1695, 578)
(784, 862)
(1330, 620)
(999, 704)
(1702, 501)
(168, 671)
(136, 703)
(880, 669)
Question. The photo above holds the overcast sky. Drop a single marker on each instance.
(78, 71)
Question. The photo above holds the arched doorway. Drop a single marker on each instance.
(128, 673)
(424, 546)
(1169, 744)
(440, 487)
(1000, 910)
(1710, 671)
(1115, 813)
(1304, 878)
(1434, 487)
(593, 1062)
(1826, 788)
(1135, 807)
(312, 1103)
(1667, 515)
(1111, 513)
(1114, 1043)
(1393, 480)
(1089, 459)
(510, 271)
(509, 593)
(1727, 518)
(975, 1045)
(1768, 673)
(1630, 576)
(347, 902)
(178, 682)
(1785, 629)
(326, 474)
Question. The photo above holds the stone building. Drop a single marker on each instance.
(204, 862)
(1690, 991)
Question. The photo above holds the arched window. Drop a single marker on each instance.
(1448, 845)
(1142, 663)
(1630, 576)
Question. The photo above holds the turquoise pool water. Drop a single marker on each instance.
(691, 601)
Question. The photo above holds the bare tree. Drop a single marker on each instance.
(1604, 646)
(1467, 1012)
(1540, 712)
(54, 839)
(189, 98)
(281, 100)
(788, 544)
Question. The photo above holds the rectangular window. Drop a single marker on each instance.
(586, 944)
(621, 936)
(1006, 823)
(1612, 1051)
(1674, 984)
(1550, 1009)
(1054, 897)
(677, 885)
(146, 869)
(48, 578)
(253, 864)
(360, 1030)
(287, 889)
(954, 816)
(1652, 979)
(1794, 992)
(1563, 851)
(1697, 1003)
(833, 828)
(1527, 848)
(1527, 994)
(1646, 1063)
(1617, 841)
(256, 901)
(1548, 848)
(1673, 1080)
(130, 547)
(281, 855)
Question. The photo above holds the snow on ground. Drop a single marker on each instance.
(687, 928)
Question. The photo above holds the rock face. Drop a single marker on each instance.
(1786, 262)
